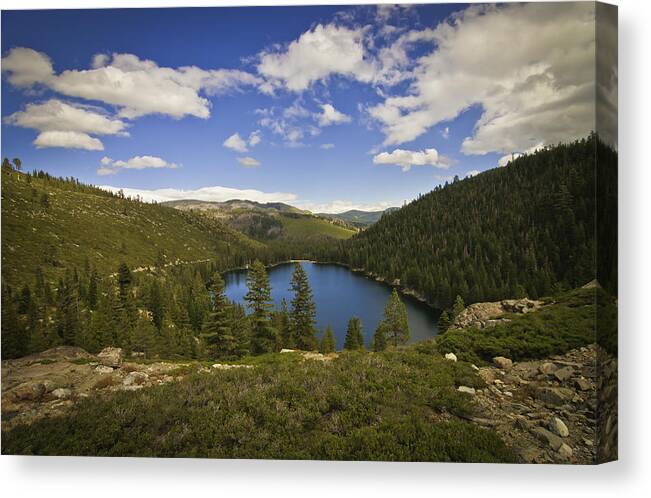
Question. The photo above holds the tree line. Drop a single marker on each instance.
(177, 312)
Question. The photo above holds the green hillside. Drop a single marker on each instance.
(525, 229)
(267, 222)
(54, 224)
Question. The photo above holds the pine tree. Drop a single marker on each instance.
(395, 323)
(217, 331)
(241, 329)
(155, 304)
(380, 338)
(458, 307)
(303, 313)
(284, 327)
(258, 298)
(444, 322)
(91, 296)
(354, 336)
(328, 344)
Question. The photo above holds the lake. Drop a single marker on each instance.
(340, 294)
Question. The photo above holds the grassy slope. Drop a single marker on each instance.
(307, 226)
(568, 322)
(78, 224)
(360, 406)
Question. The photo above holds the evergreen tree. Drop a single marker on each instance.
(458, 307)
(284, 327)
(258, 298)
(328, 344)
(155, 304)
(354, 336)
(395, 323)
(380, 338)
(241, 330)
(303, 312)
(91, 296)
(217, 331)
(444, 322)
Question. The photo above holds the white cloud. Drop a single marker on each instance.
(507, 158)
(327, 146)
(135, 86)
(67, 140)
(248, 162)
(317, 54)
(340, 206)
(255, 138)
(529, 66)
(445, 133)
(236, 143)
(329, 116)
(472, 172)
(210, 194)
(55, 115)
(27, 67)
(408, 158)
(109, 166)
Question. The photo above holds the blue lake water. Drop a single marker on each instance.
(340, 294)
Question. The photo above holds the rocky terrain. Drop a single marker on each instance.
(482, 315)
(48, 383)
(548, 410)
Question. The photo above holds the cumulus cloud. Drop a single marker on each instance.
(236, 143)
(408, 158)
(329, 116)
(472, 172)
(327, 146)
(111, 167)
(55, 115)
(248, 162)
(317, 54)
(67, 140)
(534, 79)
(210, 194)
(135, 86)
(26, 67)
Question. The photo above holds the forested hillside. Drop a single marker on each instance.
(51, 224)
(525, 229)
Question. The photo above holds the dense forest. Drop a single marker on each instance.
(527, 229)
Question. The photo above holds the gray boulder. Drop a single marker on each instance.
(111, 357)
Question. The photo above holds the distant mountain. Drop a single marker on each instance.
(358, 218)
(232, 205)
(269, 221)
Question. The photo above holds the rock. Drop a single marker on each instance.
(554, 396)
(466, 389)
(548, 437)
(221, 366)
(102, 369)
(29, 391)
(451, 356)
(562, 374)
(583, 384)
(287, 350)
(547, 368)
(62, 393)
(503, 363)
(565, 452)
(135, 378)
(111, 357)
(558, 427)
(529, 454)
(474, 367)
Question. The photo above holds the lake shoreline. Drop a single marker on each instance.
(406, 291)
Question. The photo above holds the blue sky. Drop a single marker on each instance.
(326, 108)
